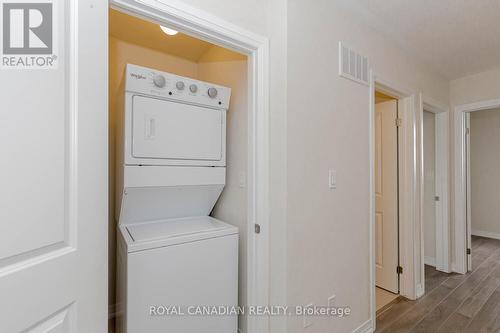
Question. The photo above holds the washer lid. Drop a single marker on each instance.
(190, 228)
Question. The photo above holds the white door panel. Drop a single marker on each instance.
(386, 189)
(53, 218)
(163, 129)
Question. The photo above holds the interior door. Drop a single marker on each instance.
(468, 191)
(386, 195)
(54, 213)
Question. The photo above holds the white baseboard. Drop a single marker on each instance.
(431, 261)
(487, 234)
(449, 270)
(454, 269)
(420, 290)
(366, 327)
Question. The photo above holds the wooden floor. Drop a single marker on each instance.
(452, 302)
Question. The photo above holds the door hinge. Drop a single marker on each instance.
(469, 251)
(399, 270)
(399, 122)
(436, 198)
(257, 228)
(467, 131)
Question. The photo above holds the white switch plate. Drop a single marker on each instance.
(332, 179)
(307, 320)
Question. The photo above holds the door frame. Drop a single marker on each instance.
(441, 113)
(203, 25)
(462, 261)
(410, 110)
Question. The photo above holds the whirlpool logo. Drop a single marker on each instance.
(29, 39)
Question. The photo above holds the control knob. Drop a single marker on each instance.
(180, 85)
(212, 92)
(159, 81)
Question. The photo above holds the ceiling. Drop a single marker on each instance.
(455, 37)
(149, 35)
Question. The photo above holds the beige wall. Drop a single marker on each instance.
(328, 240)
(473, 88)
(429, 186)
(485, 172)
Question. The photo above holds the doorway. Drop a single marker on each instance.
(386, 199)
(435, 217)
(435, 181)
(409, 250)
(430, 197)
(411, 264)
(474, 180)
(483, 180)
(247, 182)
(136, 41)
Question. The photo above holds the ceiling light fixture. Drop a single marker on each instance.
(168, 31)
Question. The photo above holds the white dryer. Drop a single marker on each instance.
(170, 172)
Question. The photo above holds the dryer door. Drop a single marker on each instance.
(175, 131)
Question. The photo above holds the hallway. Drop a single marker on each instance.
(453, 302)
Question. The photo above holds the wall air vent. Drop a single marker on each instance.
(353, 65)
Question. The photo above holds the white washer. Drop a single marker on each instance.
(171, 160)
(179, 263)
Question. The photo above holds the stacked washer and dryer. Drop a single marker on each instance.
(171, 165)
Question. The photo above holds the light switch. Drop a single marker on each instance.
(332, 179)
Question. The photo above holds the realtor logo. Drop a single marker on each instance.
(28, 40)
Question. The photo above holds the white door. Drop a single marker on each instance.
(386, 195)
(53, 134)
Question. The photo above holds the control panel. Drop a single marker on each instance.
(162, 84)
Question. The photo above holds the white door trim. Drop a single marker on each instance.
(460, 189)
(468, 241)
(410, 188)
(205, 26)
(442, 260)
(411, 197)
